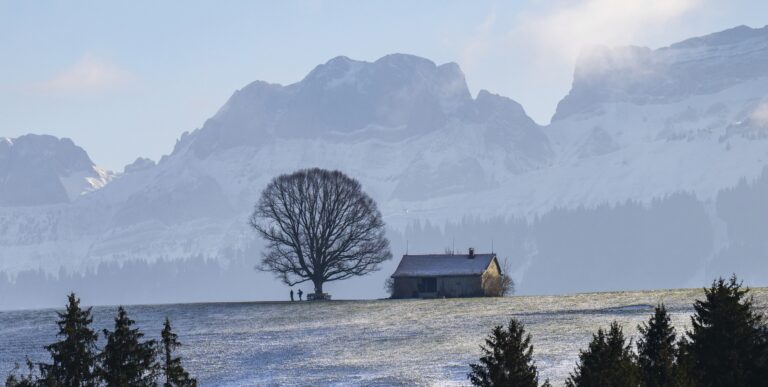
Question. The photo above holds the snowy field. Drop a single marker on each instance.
(413, 342)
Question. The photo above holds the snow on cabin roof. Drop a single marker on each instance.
(438, 265)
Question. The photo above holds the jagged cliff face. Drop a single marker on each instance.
(407, 127)
(398, 98)
(638, 75)
(645, 138)
(398, 93)
(684, 118)
(38, 170)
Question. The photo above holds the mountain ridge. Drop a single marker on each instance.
(626, 145)
(42, 170)
(647, 76)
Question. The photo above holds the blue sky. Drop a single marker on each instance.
(124, 80)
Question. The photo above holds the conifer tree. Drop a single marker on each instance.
(175, 375)
(74, 356)
(727, 346)
(125, 360)
(507, 359)
(608, 362)
(656, 350)
(683, 365)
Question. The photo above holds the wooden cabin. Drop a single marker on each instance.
(446, 275)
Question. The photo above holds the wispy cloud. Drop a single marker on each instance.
(89, 75)
(566, 28)
(759, 116)
(534, 49)
(476, 47)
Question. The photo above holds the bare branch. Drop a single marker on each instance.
(319, 226)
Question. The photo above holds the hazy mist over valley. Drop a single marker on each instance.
(651, 175)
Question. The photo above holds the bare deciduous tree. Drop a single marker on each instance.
(501, 285)
(319, 226)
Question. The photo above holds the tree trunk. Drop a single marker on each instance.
(318, 285)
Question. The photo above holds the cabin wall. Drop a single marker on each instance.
(491, 281)
(405, 287)
(453, 286)
(460, 286)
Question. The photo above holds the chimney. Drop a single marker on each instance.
(471, 252)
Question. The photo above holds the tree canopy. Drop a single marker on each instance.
(656, 351)
(319, 226)
(728, 343)
(175, 374)
(507, 359)
(608, 361)
(127, 361)
(74, 355)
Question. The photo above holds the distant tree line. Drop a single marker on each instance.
(726, 347)
(125, 360)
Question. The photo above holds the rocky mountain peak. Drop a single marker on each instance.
(735, 35)
(43, 169)
(400, 94)
(640, 75)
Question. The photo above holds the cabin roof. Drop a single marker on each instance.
(439, 265)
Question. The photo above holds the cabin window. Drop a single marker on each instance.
(428, 285)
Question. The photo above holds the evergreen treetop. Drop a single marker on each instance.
(728, 344)
(507, 359)
(126, 361)
(656, 351)
(608, 362)
(175, 375)
(74, 356)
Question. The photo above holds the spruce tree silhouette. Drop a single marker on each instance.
(507, 359)
(656, 350)
(608, 362)
(125, 360)
(175, 375)
(728, 343)
(74, 356)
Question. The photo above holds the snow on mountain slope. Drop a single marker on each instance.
(405, 127)
(639, 125)
(680, 118)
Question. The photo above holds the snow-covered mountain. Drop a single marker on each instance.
(409, 126)
(640, 124)
(37, 170)
(635, 176)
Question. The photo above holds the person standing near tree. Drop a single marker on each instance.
(300, 293)
(291, 295)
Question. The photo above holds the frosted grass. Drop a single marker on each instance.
(404, 342)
